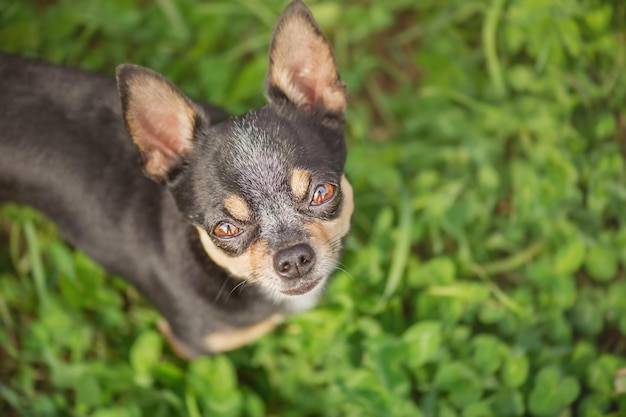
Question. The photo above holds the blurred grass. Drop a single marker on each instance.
(484, 274)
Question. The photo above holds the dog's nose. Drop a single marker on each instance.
(295, 261)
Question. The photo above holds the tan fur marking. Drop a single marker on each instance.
(256, 259)
(322, 232)
(155, 108)
(179, 349)
(238, 208)
(300, 180)
(341, 225)
(232, 339)
(303, 65)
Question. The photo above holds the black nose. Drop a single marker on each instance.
(295, 261)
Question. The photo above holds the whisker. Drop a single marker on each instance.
(345, 271)
(219, 293)
(240, 286)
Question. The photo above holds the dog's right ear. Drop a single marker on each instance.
(160, 119)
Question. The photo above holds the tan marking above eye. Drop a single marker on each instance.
(322, 194)
(300, 180)
(237, 208)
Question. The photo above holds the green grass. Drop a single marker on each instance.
(484, 273)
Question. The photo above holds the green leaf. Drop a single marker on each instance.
(515, 370)
(598, 18)
(253, 404)
(582, 356)
(595, 405)
(445, 410)
(88, 391)
(35, 257)
(168, 374)
(403, 247)
(488, 352)
(466, 291)
(144, 356)
(118, 411)
(478, 409)
(551, 392)
(570, 35)
(214, 383)
(424, 341)
(601, 263)
(508, 402)
(66, 375)
(385, 354)
(588, 315)
(570, 257)
(602, 373)
(462, 384)
(62, 257)
(438, 271)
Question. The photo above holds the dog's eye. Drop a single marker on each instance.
(323, 193)
(225, 230)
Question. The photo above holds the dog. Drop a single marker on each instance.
(227, 225)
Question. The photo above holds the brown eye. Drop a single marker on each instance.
(226, 230)
(323, 193)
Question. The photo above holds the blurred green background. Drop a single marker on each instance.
(484, 274)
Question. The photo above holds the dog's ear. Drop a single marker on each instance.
(160, 119)
(302, 68)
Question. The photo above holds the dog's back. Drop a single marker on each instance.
(43, 111)
(61, 132)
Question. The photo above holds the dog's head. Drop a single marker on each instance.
(265, 190)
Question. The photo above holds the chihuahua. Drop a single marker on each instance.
(226, 225)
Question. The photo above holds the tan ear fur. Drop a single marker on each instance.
(159, 118)
(302, 65)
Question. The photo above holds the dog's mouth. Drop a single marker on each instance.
(302, 287)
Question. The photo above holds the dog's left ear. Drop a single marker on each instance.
(160, 119)
(302, 68)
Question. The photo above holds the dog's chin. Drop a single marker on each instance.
(298, 297)
(302, 287)
(296, 292)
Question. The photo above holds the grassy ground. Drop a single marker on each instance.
(484, 275)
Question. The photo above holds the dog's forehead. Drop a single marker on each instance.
(261, 157)
(259, 161)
